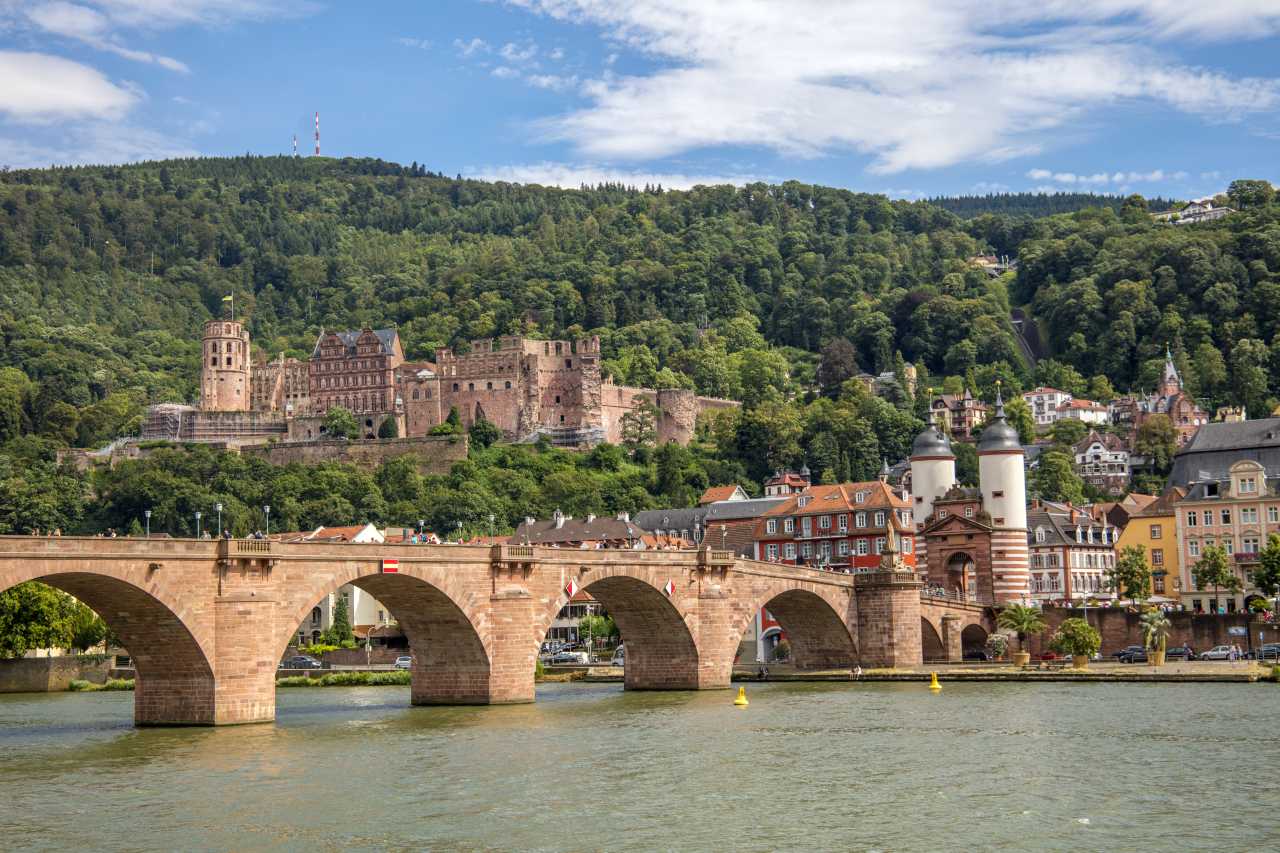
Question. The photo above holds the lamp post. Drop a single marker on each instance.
(492, 518)
(266, 510)
(459, 532)
(218, 507)
(147, 514)
(197, 524)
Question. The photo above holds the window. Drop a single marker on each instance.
(879, 519)
(771, 526)
(860, 520)
(803, 502)
(860, 497)
(1193, 548)
(455, 386)
(806, 525)
(942, 513)
(861, 547)
(1157, 584)
(806, 550)
(471, 386)
(1039, 534)
(771, 552)
(1248, 486)
(1249, 515)
(557, 398)
(789, 550)
(997, 494)
(788, 525)
(842, 522)
(1208, 518)
(1226, 516)
(824, 550)
(1156, 531)
(568, 362)
(843, 548)
(968, 512)
(906, 544)
(824, 522)
(1273, 514)
(1229, 545)
(879, 544)
(1249, 545)
(1192, 518)
(1157, 556)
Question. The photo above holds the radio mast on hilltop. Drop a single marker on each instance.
(317, 133)
(295, 145)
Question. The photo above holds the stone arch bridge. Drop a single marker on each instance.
(207, 622)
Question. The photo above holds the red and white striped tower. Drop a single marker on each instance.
(1002, 480)
(933, 472)
(317, 133)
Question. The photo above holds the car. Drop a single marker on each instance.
(1133, 654)
(1049, 656)
(1217, 653)
(301, 662)
(619, 656)
(1128, 650)
(404, 662)
(570, 658)
(1179, 653)
(976, 654)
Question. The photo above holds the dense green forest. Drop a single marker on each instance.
(773, 295)
(1036, 204)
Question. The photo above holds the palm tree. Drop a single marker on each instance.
(1155, 631)
(1022, 620)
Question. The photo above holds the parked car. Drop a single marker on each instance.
(1133, 654)
(1270, 651)
(1128, 650)
(570, 658)
(1049, 656)
(1178, 653)
(1217, 653)
(404, 662)
(301, 662)
(619, 656)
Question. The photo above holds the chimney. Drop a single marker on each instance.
(624, 516)
(529, 520)
(558, 518)
(591, 516)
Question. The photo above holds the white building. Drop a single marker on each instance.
(1045, 404)
(1086, 411)
(364, 611)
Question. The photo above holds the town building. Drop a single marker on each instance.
(788, 482)
(1045, 403)
(564, 531)
(724, 525)
(842, 527)
(1102, 461)
(1216, 447)
(960, 415)
(366, 615)
(1071, 553)
(1085, 411)
(973, 542)
(1231, 414)
(1155, 529)
(715, 494)
(1236, 512)
(1169, 399)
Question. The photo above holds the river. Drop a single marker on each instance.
(804, 767)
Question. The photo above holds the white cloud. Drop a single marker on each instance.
(556, 54)
(93, 28)
(554, 82)
(512, 52)
(157, 14)
(505, 72)
(986, 187)
(574, 175)
(470, 48)
(1103, 178)
(41, 88)
(93, 143)
(913, 83)
(420, 44)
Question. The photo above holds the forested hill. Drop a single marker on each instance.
(1036, 204)
(106, 275)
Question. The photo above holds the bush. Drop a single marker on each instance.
(79, 685)
(348, 679)
(782, 651)
(1076, 637)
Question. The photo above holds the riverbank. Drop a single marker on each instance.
(1198, 672)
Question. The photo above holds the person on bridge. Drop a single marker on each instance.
(226, 533)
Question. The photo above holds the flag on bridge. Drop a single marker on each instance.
(669, 588)
(571, 589)
(390, 566)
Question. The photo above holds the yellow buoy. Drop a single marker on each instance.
(933, 682)
(741, 701)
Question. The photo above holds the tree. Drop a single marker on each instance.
(1266, 577)
(340, 423)
(1054, 478)
(388, 428)
(1157, 440)
(1077, 638)
(640, 427)
(595, 626)
(1155, 629)
(1131, 575)
(1018, 413)
(1213, 569)
(84, 627)
(1068, 432)
(1022, 620)
(484, 433)
(33, 616)
(340, 633)
(838, 363)
(1250, 193)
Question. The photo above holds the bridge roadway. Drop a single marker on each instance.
(207, 621)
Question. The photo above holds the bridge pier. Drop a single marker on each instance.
(952, 645)
(888, 603)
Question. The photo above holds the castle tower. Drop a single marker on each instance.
(1170, 382)
(1002, 481)
(224, 371)
(933, 472)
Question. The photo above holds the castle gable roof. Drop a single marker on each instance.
(386, 338)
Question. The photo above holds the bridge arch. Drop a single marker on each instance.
(662, 653)
(814, 617)
(174, 683)
(973, 637)
(451, 654)
(931, 645)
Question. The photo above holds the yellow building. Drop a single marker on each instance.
(1156, 530)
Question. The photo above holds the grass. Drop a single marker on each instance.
(79, 685)
(348, 679)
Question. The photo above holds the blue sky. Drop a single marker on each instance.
(908, 97)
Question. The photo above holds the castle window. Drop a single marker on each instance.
(488, 386)
(557, 398)
(213, 362)
(507, 384)
(997, 494)
(416, 394)
(562, 419)
(455, 386)
(568, 362)
(471, 386)
(228, 361)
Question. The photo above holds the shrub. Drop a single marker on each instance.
(118, 684)
(782, 651)
(1076, 637)
(79, 685)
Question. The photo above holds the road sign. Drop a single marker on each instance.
(390, 566)
(1237, 631)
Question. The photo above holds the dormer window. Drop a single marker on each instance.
(1248, 485)
(803, 502)
(1039, 534)
(860, 497)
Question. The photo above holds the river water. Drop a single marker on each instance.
(805, 767)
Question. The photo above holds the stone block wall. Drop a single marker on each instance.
(50, 675)
(1119, 628)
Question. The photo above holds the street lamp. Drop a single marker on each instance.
(266, 510)
(197, 524)
(459, 532)
(218, 507)
(147, 513)
(492, 517)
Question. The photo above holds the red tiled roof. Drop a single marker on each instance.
(838, 497)
(717, 493)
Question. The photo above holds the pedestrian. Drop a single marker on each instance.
(226, 533)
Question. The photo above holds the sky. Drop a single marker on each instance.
(912, 98)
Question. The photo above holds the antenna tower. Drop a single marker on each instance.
(295, 145)
(317, 133)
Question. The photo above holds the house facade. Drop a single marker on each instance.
(842, 527)
(1045, 403)
(960, 415)
(1071, 553)
(1102, 461)
(1155, 529)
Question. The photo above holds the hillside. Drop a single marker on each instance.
(1036, 204)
